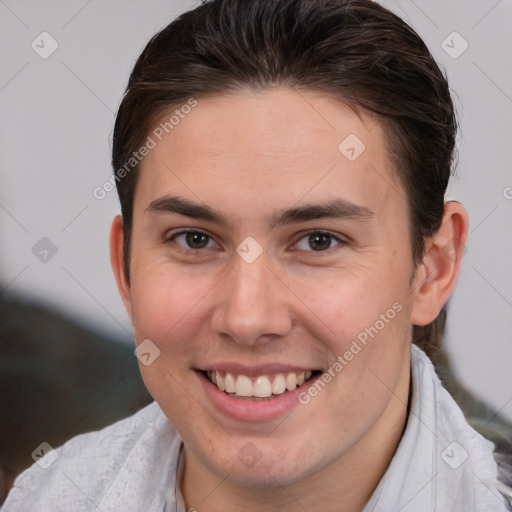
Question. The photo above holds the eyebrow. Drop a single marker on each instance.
(333, 209)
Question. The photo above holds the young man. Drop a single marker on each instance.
(284, 246)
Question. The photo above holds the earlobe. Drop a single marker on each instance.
(117, 262)
(439, 269)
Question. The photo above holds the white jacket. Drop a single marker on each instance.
(441, 464)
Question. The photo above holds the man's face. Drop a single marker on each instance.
(286, 275)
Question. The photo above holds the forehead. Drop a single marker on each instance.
(276, 147)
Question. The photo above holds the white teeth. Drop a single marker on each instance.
(291, 381)
(229, 382)
(279, 385)
(220, 382)
(262, 387)
(243, 386)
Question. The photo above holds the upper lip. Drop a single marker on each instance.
(257, 370)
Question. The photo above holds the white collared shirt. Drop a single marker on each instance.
(135, 465)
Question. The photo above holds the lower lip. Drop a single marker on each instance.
(258, 411)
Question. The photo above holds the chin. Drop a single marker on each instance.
(271, 467)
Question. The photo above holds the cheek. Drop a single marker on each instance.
(341, 304)
(364, 321)
(162, 298)
(165, 311)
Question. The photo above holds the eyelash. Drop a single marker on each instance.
(340, 241)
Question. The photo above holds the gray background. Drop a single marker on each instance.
(56, 122)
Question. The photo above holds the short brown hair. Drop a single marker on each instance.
(354, 50)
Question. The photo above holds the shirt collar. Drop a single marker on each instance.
(441, 463)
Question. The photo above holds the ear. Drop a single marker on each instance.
(437, 274)
(117, 262)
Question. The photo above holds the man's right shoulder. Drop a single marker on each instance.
(79, 473)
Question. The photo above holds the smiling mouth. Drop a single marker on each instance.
(263, 387)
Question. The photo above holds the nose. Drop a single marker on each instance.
(252, 305)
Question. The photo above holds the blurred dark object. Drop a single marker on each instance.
(57, 380)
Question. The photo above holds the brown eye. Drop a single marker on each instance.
(193, 240)
(318, 241)
(196, 240)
